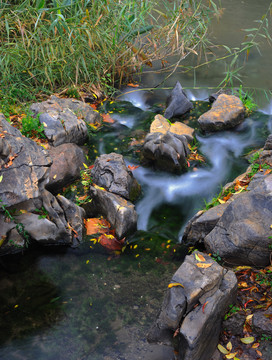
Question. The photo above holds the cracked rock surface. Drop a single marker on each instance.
(25, 173)
(195, 308)
(64, 119)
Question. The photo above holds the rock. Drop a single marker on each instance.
(179, 128)
(161, 125)
(119, 212)
(111, 173)
(27, 173)
(268, 143)
(177, 103)
(234, 324)
(25, 170)
(62, 119)
(241, 236)
(68, 160)
(226, 112)
(212, 289)
(214, 96)
(262, 323)
(166, 152)
(202, 224)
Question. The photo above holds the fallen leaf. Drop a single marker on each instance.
(255, 345)
(199, 257)
(203, 266)
(133, 85)
(231, 355)
(204, 305)
(54, 177)
(247, 340)
(221, 201)
(107, 118)
(96, 226)
(222, 349)
(109, 243)
(133, 167)
(259, 353)
(229, 346)
(174, 285)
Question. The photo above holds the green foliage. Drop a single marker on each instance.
(216, 257)
(247, 100)
(52, 44)
(266, 337)
(232, 310)
(31, 126)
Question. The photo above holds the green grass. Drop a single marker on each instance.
(50, 45)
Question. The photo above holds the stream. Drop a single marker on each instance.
(82, 304)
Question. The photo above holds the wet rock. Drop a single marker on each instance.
(67, 160)
(118, 211)
(161, 125)
(111, 173)
(234, 324)
(166, 152)
(197, 307)
(241, 236)
(226, 112)
(262, 323)
(177, 103)
(62, 119)
(202, 224)
(268, 143)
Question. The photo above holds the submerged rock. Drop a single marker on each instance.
(226, 113)
(111, 173)
(177, 103)
(62, 120)
(194, 307)
(167, 151)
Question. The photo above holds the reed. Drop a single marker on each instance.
(52, 45)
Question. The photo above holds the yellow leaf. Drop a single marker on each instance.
(87, 261)
(255, 345)
(199, 257)
(86, 167)
(135, 246)
(221, 201)
(247, 340)
(238, 268)
(222, 349)
(249, 317)
(44, 124)
(98, 187)
(229, 346)
(3, 238)
(15, 306)
(54, 177)
(203, 266)
(231, 355)
(174, 285)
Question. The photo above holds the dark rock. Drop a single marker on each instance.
(119, 212)
(226, 112)
(197, 307)
(262, 323)
(27, 173)
(202, 224)
(241, 236)
(234, 324)
(166, 152)
(111, 173)
(214, 96)
(268, 143)
(62, 119)
(177, 103)
(68, 160)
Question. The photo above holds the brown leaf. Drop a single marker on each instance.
(107, 118)
(96, 226)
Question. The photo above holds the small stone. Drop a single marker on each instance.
(160, 124)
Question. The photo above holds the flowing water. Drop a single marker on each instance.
(82, 304)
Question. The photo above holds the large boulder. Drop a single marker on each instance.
(194, 306)
(167, 151)
(242, 234)
(68, 160)
(28, 211)
(226, 113)
(63, 120)
(111, 173)
(118, 211)
(177, 103)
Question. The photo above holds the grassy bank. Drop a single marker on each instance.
(47, 46)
